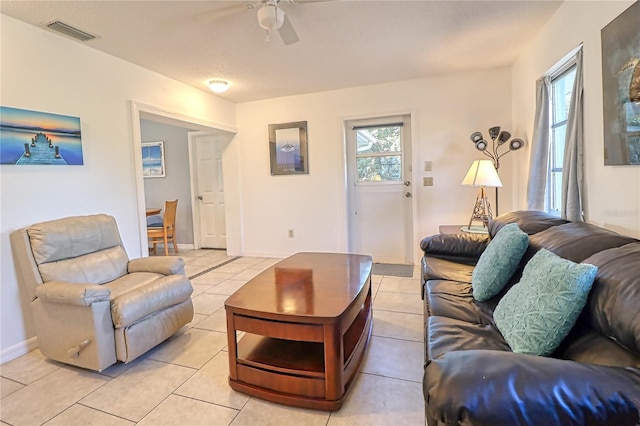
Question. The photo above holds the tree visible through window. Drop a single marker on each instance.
(561, 89)
(379, 153)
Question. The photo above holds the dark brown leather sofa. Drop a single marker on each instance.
(471, 375)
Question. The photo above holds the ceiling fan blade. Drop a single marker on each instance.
(287, 32)
(223, 12)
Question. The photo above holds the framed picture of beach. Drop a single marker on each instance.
(153, 159)
(288, 148)
(39, 138)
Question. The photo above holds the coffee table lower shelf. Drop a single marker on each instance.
(292, 372)
(301, 373)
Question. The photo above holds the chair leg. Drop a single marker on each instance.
(166, 245)
(175, 246)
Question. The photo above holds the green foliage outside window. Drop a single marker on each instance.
(374, 167)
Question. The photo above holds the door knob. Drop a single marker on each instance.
(407, 183)
(199, 197)
(407, 194)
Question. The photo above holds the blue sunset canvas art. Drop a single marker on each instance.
(39, 138)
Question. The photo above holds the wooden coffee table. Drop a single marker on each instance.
(307, 322)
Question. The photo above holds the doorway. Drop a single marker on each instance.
(380, 188)
(222, 132)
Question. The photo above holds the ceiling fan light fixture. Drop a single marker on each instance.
(218, 86)
(270, 17)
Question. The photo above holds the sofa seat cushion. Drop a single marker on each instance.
(585, 345)
(453, 299)
(144, 300)
(499, 262)
(435, 268)
(537, 313)
(446, 335)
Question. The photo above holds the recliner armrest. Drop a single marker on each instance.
(466, 248)
(72, 293)
(165, 265)
(494, 387)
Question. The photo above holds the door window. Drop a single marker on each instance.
(378, 154)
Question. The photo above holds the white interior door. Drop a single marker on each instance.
(208, 190)
(380, 188)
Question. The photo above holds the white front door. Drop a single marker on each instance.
(380, 188)
(208, 190)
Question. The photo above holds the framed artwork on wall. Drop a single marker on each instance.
(621, 88)
(39, 138)
(153, 159)
(288, 148)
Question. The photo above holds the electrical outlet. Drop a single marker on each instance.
(427, 166)
(427, 181)
(290, 233)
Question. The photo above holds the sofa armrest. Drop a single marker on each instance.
(466, 248)
(72, 293)
(493, 387)
(165, 265)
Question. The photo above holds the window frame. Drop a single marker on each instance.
(551, 192)
(399, 153)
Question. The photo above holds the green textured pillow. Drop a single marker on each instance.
(498, 262)
(537, 313)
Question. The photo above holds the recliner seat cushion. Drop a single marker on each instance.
(143, 301)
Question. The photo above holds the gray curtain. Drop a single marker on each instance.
(573, 166)
(539, 160)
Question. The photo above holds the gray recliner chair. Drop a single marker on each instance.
(91, 305)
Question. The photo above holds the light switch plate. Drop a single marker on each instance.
(427, 166)
(427, 181)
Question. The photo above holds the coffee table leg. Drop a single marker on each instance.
(232, 346)
(333, 356)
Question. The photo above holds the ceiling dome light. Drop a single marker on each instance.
(270, 17)
(218, 86)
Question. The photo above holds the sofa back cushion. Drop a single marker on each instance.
(613, 304)
(575, 241)
(78, 249)
(529, 221)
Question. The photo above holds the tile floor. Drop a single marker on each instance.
(184, 380)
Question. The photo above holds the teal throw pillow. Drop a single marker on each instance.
(498, 262)
(537, 313)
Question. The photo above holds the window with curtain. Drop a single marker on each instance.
(560, 101)
(556, 169)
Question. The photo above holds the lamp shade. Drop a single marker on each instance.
(482, 173)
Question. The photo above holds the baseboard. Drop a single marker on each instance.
(18, 350)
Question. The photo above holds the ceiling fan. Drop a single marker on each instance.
(270, 16)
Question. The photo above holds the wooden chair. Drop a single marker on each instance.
(165, 232)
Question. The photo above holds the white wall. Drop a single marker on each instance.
(45, 72)
(613, 192)
(446, 109)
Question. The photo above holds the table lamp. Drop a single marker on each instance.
(482, 173)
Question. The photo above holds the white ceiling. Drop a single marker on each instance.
(343, 43)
